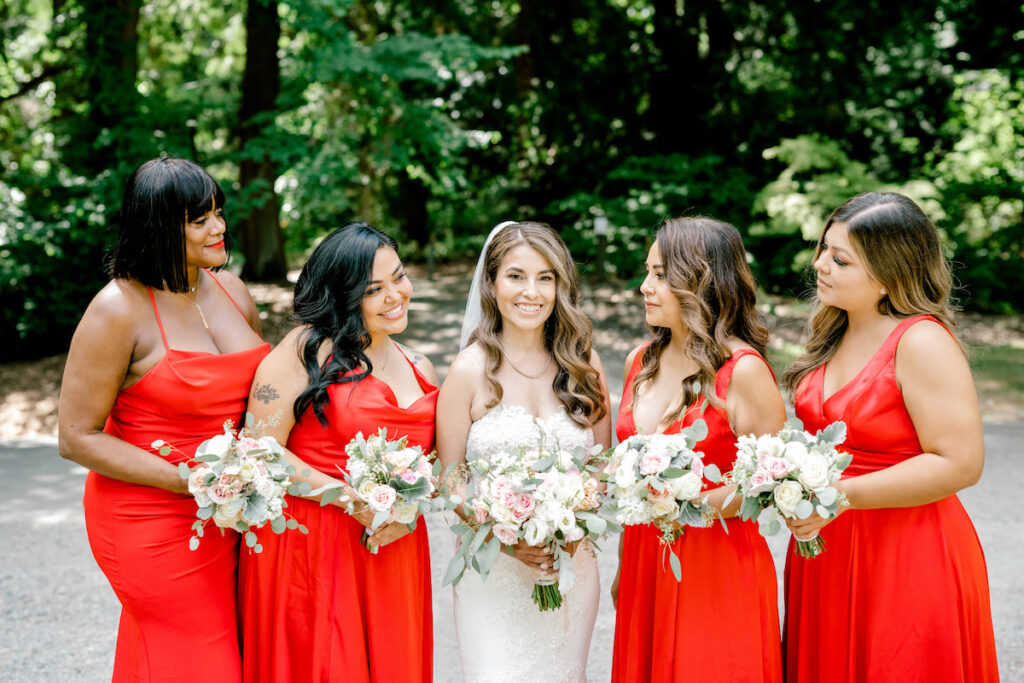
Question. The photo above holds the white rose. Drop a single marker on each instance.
(275, 508)
(365, 487)
(501, 513)
(218, 445)
(228, 515)
(266, 487)
(405, 513)
(686, 487)
(787, 495)
(768, 446)
(796, 453)
(248, 471)
(664, 507)
(625, 474)
(535, 532)
(357, 469)
(813, 473)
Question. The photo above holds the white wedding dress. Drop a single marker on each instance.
(502, 634)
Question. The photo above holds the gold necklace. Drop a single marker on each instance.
(528, 376)
(194, 289)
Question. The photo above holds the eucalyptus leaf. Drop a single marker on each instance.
(183, 470)
(672, 473)
(827, 495)
(455, 569)
(205, 512)
(250, 539)
(804, 509)
(712, 473)
(278, 525)
(677, 570)
(823, 511)
(193, 543)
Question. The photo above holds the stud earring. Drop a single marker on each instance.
(882, 292)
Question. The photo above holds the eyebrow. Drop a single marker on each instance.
(397, 268)
(520, 270)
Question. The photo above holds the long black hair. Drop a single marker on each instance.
(328, 299)
(160, 197)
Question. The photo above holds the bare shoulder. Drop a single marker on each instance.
(467, 367)
(117, 308)
(238, 291)
(927, 345)
(422, 363)
(927, 336)
(751, 367)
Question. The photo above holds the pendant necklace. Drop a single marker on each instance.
(195, 300)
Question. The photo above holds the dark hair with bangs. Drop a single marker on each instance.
(160, 197)
(328, 299)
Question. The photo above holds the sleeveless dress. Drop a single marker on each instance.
(178, 609)
(320, 607)
(502, 635)
(721, 622)
(900, 594)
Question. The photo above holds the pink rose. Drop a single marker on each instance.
(777, 467)
(524, 502)
(424, 468)
(409, 477)
(654, 462)
(573, 534)
(224, 489)
(247, 444)
(381, 497)
(697, 467)
(508, 498)
(480, 511)
(505, 533)
(500, 485)
(761, 481)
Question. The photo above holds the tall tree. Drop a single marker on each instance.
(262, 239)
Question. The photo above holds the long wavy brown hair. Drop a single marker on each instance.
(706, 268)
(567, 332)
(900, 249)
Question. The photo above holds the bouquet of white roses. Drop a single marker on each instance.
(239, 481)
(395, 480)
(659, 479)
(790, 474)
(546, 497)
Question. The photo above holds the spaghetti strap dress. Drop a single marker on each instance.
(320, 607)
(721, 622)
(900, 594)
(178, 606)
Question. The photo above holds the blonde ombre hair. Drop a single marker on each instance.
(901, 251)
(706, 269)
(567, 332)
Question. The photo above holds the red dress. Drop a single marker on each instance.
(900, 594)
(721, 622)
(178, 609)
(320, 607)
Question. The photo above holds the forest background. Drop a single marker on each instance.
(436, 119)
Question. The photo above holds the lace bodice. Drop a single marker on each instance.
(503, 637)
(505, 427)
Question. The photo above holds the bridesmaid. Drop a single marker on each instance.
(721, 622)
(166, 350)
(321, 607)
(901, 591)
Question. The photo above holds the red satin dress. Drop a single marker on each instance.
(721, 622)
(320, 607)
(178, 606)
(900, 594)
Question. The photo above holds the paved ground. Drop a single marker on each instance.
(58, 616)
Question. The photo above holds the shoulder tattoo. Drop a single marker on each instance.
(265, 393)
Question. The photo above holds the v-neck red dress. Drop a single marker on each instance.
(320, 607)
(178, 606)
(721, 622)
(900, 594)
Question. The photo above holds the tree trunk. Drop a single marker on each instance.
(261, 235)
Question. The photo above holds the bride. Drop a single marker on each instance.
(528, 373)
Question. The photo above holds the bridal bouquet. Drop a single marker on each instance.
(239, 481)
(395, 480)
(790, 474)
(546, 497)
(658, 479)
